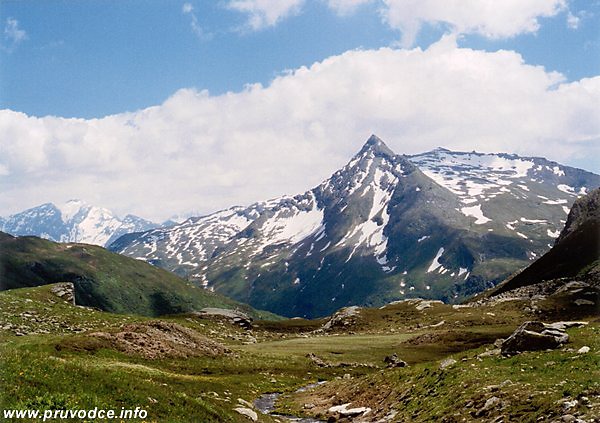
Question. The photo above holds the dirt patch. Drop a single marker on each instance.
(159, 339)
(452, 338)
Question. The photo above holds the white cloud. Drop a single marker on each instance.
(344, 7)
(265, 13)
(490, 18)
(573, 21)
(12, 31)
(13, 35)
(202, 152)
(197, 29)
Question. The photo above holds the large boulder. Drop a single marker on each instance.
(536, 336)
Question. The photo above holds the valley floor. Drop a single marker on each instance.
(55, 355)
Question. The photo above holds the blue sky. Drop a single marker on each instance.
(163, 107)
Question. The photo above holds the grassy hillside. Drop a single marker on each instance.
(102, 279)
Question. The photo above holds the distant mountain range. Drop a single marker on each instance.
(74, 221)
(440, 225)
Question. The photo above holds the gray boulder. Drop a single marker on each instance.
(64, 290)
(394, 361)
(235, 317)
(536, 336)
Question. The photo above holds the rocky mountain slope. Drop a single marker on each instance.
(102, 279)
(74, 221)
(575, 257)
(437, 225)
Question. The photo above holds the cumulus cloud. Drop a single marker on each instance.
(265, 13)
(197, 151)
(490, 18)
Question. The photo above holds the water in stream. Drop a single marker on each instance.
(266, 404)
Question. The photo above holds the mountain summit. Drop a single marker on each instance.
(376, 146)
(384, 227)
(73, 221)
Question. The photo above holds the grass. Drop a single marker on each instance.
(63, 369)
(530, 386)
(103, 279)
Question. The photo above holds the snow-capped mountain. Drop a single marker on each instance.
(384, 227)
(74, 221)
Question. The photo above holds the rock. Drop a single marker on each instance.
(535, 336)
(347, 376)
(64, 290)
(316, 360)
(234, 316)
(491, 403)
(251, 414)
(448, 362)
(394, 361)
(565, 325)
(246, 403)
(584, 350)
(490, 353)
(344, 411)
(344, 317)
(567, 405)
(423, 304)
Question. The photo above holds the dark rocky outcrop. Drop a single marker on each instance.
(536, 336)
(576, 252)
(394, 361)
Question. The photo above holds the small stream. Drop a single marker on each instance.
(266, 404)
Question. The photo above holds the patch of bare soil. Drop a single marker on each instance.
(159, 339)
(450, 338)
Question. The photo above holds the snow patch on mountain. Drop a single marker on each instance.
(475, 211)
(435, 264)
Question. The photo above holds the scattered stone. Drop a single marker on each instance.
(446, 363)
(317, 360)
(493, 402)
(344, 317)
(251, 414)
(394, 361)
(244, 402)
(423, 304)
(64, 290)
(568, 404)
(490, 353)
(347, 376)
(309, 406)
(234, 316)
(160, 339)
(581, 302)
(584, 350)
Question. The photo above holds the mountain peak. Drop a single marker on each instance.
(376, 145)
